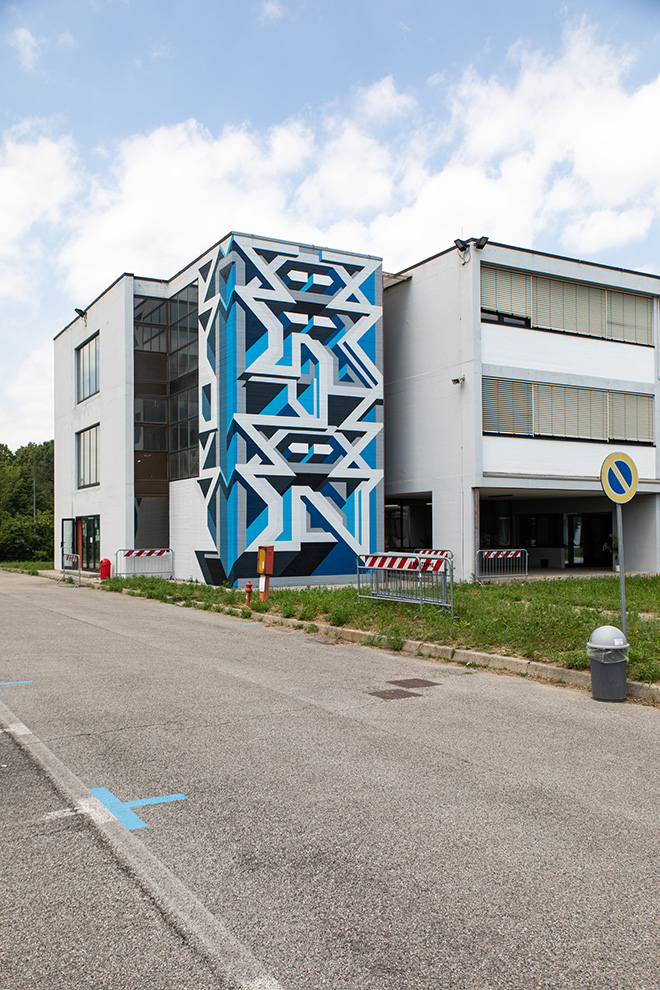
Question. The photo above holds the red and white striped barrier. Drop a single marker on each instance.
(425, 560)
(390, 563)
(408, 577)
(501, 563)
(156, 562)
(501, 554)
(144, 553)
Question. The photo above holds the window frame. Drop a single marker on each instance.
(533, 406)
(88, 461)
(95, 383)
(539, 301)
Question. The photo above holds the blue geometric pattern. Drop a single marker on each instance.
(291, 411)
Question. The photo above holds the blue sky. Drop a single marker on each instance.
(136, 133)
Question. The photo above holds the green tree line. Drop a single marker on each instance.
(26, 502)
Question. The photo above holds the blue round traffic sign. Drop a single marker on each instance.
(618, 476)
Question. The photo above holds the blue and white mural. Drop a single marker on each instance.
(291, 388)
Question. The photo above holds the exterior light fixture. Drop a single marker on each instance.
(461, 245)
(481, 243)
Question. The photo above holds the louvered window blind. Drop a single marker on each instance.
(571, 307)
(535, 409)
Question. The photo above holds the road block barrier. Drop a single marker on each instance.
(71, 562)
(501, 563)
(153, 563)
(423, 578)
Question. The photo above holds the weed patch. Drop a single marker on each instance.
(547, 621)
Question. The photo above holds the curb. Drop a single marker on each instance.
(472, 658)
(493, 661)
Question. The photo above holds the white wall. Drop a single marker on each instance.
(561, 459)
(111, 407)
(430, 423)
(566, 355)
(188, 529)
(641, 529)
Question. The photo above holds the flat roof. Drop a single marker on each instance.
(540, 254)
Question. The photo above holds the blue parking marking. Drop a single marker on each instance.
(6, 683)
(122, 809)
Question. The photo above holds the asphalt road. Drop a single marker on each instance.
(483, 832)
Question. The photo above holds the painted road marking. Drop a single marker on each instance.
(122, 809)
(618, 476)
(205, 931)
(6, 683)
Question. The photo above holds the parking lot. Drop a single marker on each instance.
(312, 813)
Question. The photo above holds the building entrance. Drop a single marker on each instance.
(589, 539)
(89, 542)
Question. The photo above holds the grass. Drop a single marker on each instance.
(548, 621)
(27, 566)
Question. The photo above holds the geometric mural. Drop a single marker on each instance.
(291, 408)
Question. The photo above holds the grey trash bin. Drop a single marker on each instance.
(608, 656)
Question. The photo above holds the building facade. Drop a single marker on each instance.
(510, 375)
(236, 405)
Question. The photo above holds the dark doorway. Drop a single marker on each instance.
(409, 524)
(589, 539)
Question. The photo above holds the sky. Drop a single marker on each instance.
(134, 134)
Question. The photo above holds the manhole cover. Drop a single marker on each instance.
(393, 694)
(414, 682)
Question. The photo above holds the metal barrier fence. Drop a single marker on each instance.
(71, 562)
(152, 563)
(501, 563)
(424, 578)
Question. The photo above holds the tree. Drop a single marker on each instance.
(26, 502)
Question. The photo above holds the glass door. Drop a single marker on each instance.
(90, 542)
(68, 541)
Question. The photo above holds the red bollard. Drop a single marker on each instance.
(248, 592)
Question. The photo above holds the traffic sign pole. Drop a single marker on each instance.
(622, 569)
(618, 476)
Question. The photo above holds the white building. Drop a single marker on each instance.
(509, 376)
(235, 405)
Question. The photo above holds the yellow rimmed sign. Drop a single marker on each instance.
(618, 476)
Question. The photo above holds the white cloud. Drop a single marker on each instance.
(605, 229)
(560, 152)
(175, 191)
(524, 154)
(37, 180)
(26, 412)
(382, 101)
(28, 47)
(549, 148)
(270, 10)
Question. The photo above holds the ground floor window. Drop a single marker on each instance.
(408, 524)
(555, 539)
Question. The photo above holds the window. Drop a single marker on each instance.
(518, 298)
(184, 425)
(87, 456)
(183, 333)
(87, 368)
(148, 410)
(150, 324)
(534, 409)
